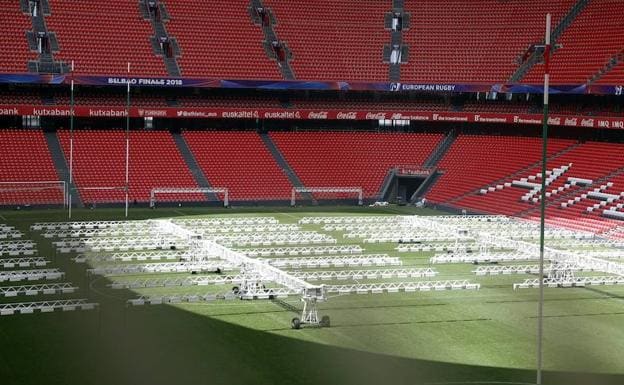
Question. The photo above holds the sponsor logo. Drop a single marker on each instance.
(346, 115)
(376, 115)
(318, 115)
(571, 122)
(554, 121)
(587, 123)
(50, 112)
(240, 114)
(8, 111)
(479, 118)
(395, 86)
(152, 113)
(619, 90)
(108, 113)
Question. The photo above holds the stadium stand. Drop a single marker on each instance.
(219, 40)
(99, 161)
(334, 40)
(356, 159)
(25, 158)
(476, 161)
(13, 27)
(240, 162)
(587, 45)
(103, 36)
(473, 41)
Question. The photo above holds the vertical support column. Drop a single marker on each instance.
(540, 308)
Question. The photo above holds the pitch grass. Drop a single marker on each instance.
(417, 338)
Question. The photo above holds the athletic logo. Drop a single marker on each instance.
(618, 90)
(395, 86)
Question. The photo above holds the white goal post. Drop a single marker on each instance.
(300, 190)
(35, 186)
(189, 190)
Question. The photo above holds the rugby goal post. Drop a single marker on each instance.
(341, 190)
(189, 190)
(26, 187)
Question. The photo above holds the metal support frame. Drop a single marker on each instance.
(189, 190)
(296, 190)
(23, 186)
(46, 306)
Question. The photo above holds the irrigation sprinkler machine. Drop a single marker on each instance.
(255, 275)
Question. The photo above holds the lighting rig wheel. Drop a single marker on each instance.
(325, 321)
(295, 323)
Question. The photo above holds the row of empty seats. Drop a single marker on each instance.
(352, 159)
(459, 41)
(25, 158)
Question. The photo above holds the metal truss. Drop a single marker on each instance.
(136, 256)
(302, 250)
(30, 275)
(271, 239)
(483, 257)
(565, 257)
(306, 275)
(46, 306)
(10, 234)
(242, 229)
(395, 287)
(457, 247)
(373, 288)
(334, 261)
(571, 282)
(352, 220)
(11, 263)
(167, 267)
(118, 244)
(364, 274)
(523, 269)
(45, 289)
(111, 232)
(44, 226)
(225, 221)
(15, 248)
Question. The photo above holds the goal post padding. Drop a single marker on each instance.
(33, 193)
(330, 193)
(220, 193)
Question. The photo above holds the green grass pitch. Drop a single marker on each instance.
(485, 336)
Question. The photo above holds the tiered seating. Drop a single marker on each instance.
(219, 40)
(591, 160)
(229, 101)
(103, 36)
(352, 159)
(588, 44)
(99, 161)
(240, 162)
(334, 40)
(615, 76)
(475, 161)
(473, 41)
(108, 99)
(25, 158)
(421, 104)
(13, 27)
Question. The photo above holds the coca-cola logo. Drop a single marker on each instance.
(318, 115)
(376, 115)
(346, 115)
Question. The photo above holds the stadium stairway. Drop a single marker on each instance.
(535, 57)
(160, 32)
(281, 161)
(192, 165)
(441, 149)
(266, 20)
(62, 168)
